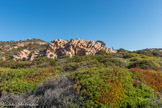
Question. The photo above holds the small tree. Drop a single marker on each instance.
(122, 50)
(102, 43)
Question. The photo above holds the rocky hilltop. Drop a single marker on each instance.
(59, 47)
(29, 50)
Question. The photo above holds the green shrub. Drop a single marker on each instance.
(150, 52)
(128, 56)
(71, 66)
(107, 61)
(101, 52)
(144, 64)
(43, 62)
(15, 64)
(135, 59)
(10, 78)
(21, 64)
(102, 43)
(121, 50)
(22, 80)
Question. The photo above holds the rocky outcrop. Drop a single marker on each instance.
(59, 47)
(22, 55)
(27, 55)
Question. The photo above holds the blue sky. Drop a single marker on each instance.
(129, 24)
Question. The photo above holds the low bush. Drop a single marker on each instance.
(71, 66)
(135, 59)
(128, 56)
(108, 61)
(43, 62)
(150, 52)
(121, 50)
(101, 52)
(15, 64)
(144, 64)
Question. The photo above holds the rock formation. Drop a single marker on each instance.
(59, 47)
(22, 55)
(27, 55)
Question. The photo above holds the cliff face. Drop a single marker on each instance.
(57, 48)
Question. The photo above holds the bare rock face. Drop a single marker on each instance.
(27, 55)
(22, 55)
(59, 47)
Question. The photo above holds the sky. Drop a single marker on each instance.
(128, 24)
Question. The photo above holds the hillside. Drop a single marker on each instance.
(151, 52)
(78, 75)
(35, 48)
(10, 48)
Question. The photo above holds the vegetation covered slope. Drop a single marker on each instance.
(151, 52)
(122, 80)
(9, 48)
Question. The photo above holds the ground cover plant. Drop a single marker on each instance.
(112, 87)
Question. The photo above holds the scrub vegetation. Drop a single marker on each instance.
(105, 80)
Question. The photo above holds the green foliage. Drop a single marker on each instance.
(71, 66)
(38, 62)
(100, 81)
(151, 52)
(102, 42)
(101, 52)
(10, 77)
(121, 50)
(15, 64)
(144, 64)
(107, 87)
(107, 61)
(135, 59)
(128, 56)
(43, 62)
(21, 80)
(18, 86)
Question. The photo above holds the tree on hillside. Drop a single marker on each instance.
(102, 43)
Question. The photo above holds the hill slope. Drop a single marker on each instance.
(10, 48)
(123, 79)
